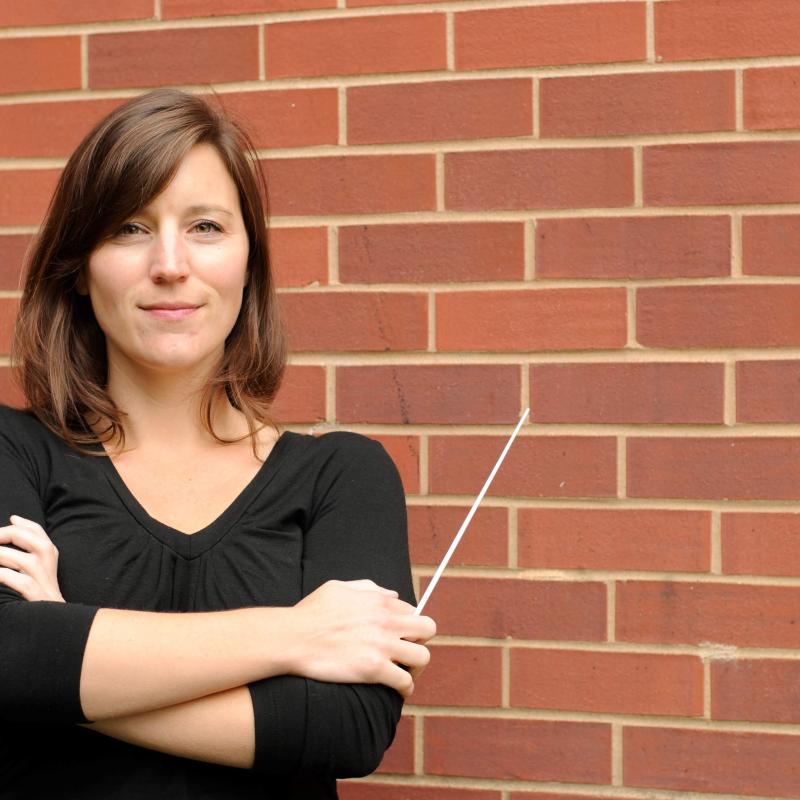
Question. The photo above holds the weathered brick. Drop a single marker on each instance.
(428, 393)
(356, 45)
(350, 184)
(740, 468)
(711, 761)
(173, 56)
(536, 466)
(418, 112)
(619, 105)
(614, 539)
(517, 37)
(761, 543)
(527, 179)
(526, 320)
(633, 247)
(678, 612)
(448, 252)
(718, 316)
(577, 752)
(605, 682)
(627, 393)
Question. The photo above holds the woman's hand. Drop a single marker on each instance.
(359, 632)
(33, 570)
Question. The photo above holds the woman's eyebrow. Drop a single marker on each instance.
(202, 209)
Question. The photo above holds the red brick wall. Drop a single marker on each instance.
(589, 208)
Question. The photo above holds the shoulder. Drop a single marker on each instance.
(21, 428)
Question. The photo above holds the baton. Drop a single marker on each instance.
(457, 538)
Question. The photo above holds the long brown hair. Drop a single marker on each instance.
(125, 161)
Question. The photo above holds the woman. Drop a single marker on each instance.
(193, 604)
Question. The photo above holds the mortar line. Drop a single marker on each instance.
(729, 399)
(716, 543)
(505, 675)
(737, 254)
(739, 98)
(333, 255)
(341, 96)
(450, 40)
(262, 54)
(529, 250)
(513, 537)
(330, 393)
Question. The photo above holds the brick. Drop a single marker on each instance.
(399, 758)
(356, 45)
(449, 252)
(366, 3)
(770, 98)
(286, 118)
(611, 539)
(49, 129)
(627, 393)
(428, 394)
(761, 544)
(677, 612)
(299, 256)
(431, 530)
(376, 321)
(766, 391)
(10, 392)
(525, 320)
(518, 749)
(527, 179)
(687, 30)
(40, 64)
(721, 173)
(718, 316)
(730, 468)
(8, 313)
(518, 37)
(418, 112)
(363, 790)
(757, 690)
(770, 244)
(174, 9)
(711, 761)
(404, 451)
(25, 194)
(535, 466)
(634, 247)
(460, 676)
(45, 12)
(301, 397)
(520, 609)
(619, 105)
(559, 796)
(350, 184)
(13, 247)
(606, 682)
(173, 56)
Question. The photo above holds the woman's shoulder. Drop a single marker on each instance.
(21, 426)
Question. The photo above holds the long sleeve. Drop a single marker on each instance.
(41, 643)
(358, 530)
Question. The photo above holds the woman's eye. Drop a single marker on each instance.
(126, 229)
(213, 225)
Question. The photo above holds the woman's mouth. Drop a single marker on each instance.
(169, 311)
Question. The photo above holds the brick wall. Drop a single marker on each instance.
(589, 208)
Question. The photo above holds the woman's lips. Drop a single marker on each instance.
(171, 313)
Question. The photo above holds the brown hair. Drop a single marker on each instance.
(125, 161)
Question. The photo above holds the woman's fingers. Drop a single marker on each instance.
(34, 534)
(17, 581)
(16, 559)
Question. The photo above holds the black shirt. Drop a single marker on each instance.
(319, 508)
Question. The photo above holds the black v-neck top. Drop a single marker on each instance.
(319, 508)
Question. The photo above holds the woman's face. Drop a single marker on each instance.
(166, 288)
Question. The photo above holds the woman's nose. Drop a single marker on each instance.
(170, 259)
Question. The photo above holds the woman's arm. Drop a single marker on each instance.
(217, 729)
